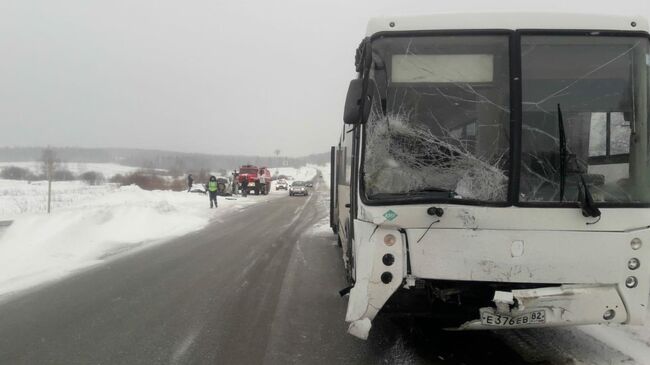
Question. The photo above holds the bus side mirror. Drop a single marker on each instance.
(352, 113)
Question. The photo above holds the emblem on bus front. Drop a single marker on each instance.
(390, 215)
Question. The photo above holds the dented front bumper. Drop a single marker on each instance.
(581, 275)
(562, 305)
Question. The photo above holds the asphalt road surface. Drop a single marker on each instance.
(258, 287)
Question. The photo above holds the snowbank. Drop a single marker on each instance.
(301, 174)
(324, 172)
(305, 173)
(39, 247)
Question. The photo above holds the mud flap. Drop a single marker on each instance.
(345, 291)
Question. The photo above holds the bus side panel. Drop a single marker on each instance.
(333, 194)
(344, 218)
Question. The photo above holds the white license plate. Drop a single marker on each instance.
(489, 318)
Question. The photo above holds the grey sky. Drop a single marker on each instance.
(242, 77)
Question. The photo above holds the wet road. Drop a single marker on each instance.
(257, 287)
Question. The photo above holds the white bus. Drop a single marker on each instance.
(493, 171)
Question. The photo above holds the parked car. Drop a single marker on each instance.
(281, 185)
(298, 188)
(309, 184)
(223, 183)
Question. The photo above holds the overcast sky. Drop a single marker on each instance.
(243, 76)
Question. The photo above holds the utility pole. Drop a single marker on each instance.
(277, 158)
(49, 186)
(48, 161)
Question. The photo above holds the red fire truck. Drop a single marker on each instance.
(259, 179)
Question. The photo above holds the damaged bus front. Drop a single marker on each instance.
(497, 177)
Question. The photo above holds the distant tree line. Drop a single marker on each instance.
(177, 163)
(59, 174)
(145, 179)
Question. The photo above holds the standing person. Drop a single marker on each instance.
(244, 186)
(190, 181)
(235, 182)
(212, 190)
(262, 187)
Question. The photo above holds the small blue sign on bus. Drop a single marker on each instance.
(390, 215)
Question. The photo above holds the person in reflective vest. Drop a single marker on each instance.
(212, 190)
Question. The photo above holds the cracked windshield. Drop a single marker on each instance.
(440, 118)
(599, 85)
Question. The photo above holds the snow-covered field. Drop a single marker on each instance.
(90, 223)
(19, 197)
(107, 169)
(304, 173)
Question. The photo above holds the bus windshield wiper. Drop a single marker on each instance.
(586, 200)
(563, 151)
(587, 205)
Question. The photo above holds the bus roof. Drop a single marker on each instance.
(507, 20)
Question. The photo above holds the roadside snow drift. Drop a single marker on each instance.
(41, 247)
(304, 173)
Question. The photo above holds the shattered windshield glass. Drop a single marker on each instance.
(601, 85)
(439, 123)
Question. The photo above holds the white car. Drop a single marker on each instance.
(298, 188)
(281, 185)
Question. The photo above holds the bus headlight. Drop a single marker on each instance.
(636, 243)
(633, 264)
(631, 282)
